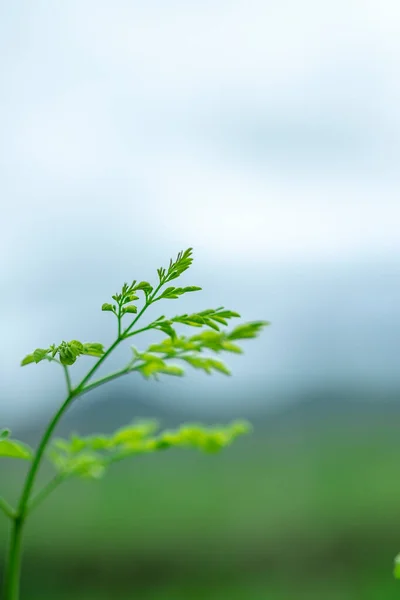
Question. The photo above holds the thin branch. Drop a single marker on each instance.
(106, 379)
(132, 333)
(67, 379)
(7, 508)
(45, 491)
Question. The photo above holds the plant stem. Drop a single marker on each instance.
(12, 579)
(45, 491)
(106, 379)
(67, 379)
(13, 569)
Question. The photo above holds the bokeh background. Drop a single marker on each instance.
(265, 134)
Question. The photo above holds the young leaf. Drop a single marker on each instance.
(182, 262)
(89, 456)
(108, 307)
(14, 449)
(206, 364)
(247, 330)
(209, 318)
(145, 287)
(131, 308)
(172, 293)
(93, 349)
(37, 356)
(156, 366)
(396, 571)
(27, 360)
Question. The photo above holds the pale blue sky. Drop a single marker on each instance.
(258, 132)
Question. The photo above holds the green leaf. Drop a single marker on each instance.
(144, 286)
(165, 326)
(131, 308)
(182, 262)
(172, 293)
(27, 360)
(14, 449)
(4, 433)
(247, 330)
(396, 571)
(40, 354)
(108, 307)
(154, 367)
(76, 346)
(134, 432)
(90, 456)
(93, 349)
(209, 318)
(67, 354)
(206, 364)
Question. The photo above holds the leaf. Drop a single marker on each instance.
(40, 354)
(90, 456)
(108, 307)
(27, 360)
(165, 326)
(131, 308)
(68, 354)
(134, 432)
(182, 262)
(247, 330)
(77, 347)
(14, 449)
(172, 293)
(4, 433)
(396, 571)
(206, 364)
(144, 286)
(93, 349)
(153, 367)
(231, 347)
(210, 317)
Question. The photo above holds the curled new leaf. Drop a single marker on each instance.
(67, 352)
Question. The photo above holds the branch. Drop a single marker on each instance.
(45, 491)
(7, 508)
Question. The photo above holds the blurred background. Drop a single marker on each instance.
(266, 135)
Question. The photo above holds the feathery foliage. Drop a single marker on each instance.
(89, 457)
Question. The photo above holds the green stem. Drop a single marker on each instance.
(45, 491)
(67, 379)
(13, 571)
(11, 588)
(132, 333)
(106, 379)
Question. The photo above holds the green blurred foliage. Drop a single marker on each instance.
(298, 513)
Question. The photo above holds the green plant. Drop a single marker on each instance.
(89, 457)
